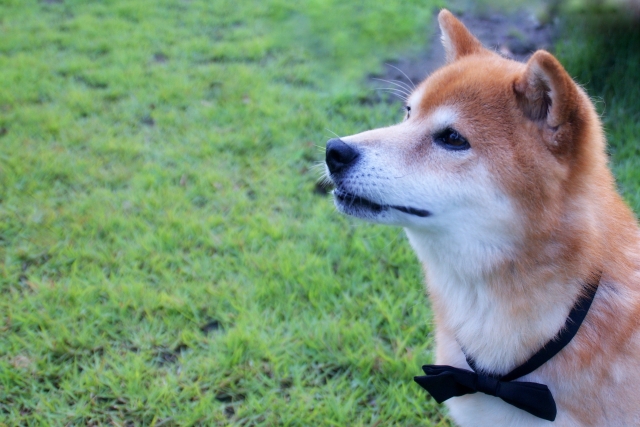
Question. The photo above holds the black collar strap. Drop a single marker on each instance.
(444, 382)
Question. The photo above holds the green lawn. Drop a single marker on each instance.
(165, 255)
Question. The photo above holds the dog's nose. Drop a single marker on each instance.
(339, 155)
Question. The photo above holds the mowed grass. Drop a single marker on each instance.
(166, 258)
(165, 255)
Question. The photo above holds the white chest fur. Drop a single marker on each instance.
(497, 331)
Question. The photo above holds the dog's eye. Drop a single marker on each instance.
(452, 140)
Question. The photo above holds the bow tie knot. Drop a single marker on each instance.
(444, 382)
(488, 385)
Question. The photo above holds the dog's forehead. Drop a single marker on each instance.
(485, 81)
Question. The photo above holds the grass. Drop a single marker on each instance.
(603, 54)
(165, 255)
(166, 258)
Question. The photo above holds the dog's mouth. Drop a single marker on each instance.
(354, 205)
(359, 206)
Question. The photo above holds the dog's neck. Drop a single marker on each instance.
(500, 310)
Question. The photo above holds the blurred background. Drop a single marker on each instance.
(167, 255)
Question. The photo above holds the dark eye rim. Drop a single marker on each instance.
(442, 138)
(408, 110)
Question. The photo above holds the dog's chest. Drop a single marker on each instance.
(498, 332)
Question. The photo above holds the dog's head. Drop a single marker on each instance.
(488, 146)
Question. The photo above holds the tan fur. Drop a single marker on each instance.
(537, 134)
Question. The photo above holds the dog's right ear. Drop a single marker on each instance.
(548, 95)
(456, 39)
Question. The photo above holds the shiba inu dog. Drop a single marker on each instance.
(499, 175)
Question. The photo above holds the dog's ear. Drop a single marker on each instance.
(456, 39)
(547, 95)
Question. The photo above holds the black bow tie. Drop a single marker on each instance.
(444, 382)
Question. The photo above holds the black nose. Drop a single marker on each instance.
(339, 155)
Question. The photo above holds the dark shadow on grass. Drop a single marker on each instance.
(607, 62)
(602, 52)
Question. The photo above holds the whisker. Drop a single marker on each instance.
(329, 130)
(394, 92)
(320, 169)
(405, 175)
(325, 181)
(403, 99)
(393, 89)
(402, 85)
(403, 91)
(318, 164)
(403, 73)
